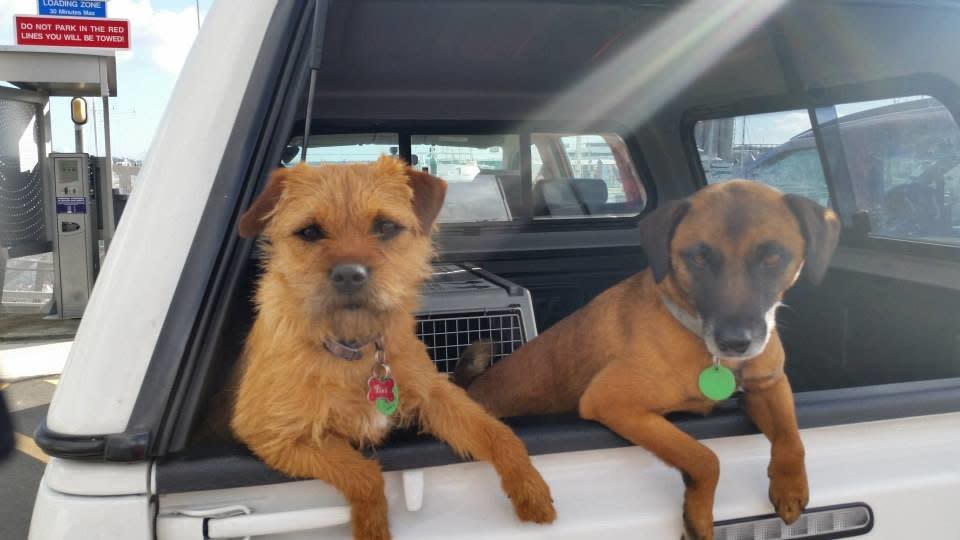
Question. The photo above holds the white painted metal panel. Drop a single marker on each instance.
(904, 469)
(60, 517)
(117, 335)
(97, 478)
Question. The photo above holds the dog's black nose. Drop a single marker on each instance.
(732, 339)
(350, 277)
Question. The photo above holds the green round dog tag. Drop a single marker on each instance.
(717, 382)
(387, 408)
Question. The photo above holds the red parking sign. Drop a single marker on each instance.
(72, 32)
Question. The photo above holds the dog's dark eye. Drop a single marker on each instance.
(771, 256)
(386, 229)
(771, 260)
(310, 233)
(699, 256)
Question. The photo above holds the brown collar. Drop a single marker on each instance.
(352, 350)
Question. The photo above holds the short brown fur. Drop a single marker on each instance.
(304, 411)
(624, 360)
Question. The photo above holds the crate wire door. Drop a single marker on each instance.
(446, 335)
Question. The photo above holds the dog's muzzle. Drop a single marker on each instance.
(733, 339)
(738, 339)
(730, 339)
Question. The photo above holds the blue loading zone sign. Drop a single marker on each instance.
(73, 8)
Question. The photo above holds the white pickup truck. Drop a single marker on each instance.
(579, 117)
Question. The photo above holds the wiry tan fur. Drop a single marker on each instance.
(624, 360)
(304, 411)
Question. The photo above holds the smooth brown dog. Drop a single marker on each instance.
(719, 264)
(346, 249)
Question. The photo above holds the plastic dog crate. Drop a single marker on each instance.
(463, 304)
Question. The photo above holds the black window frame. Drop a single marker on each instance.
(854, 235)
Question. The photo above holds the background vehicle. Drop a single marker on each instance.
(911, 187)
(873, 354)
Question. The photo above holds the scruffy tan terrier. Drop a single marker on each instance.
(332, 363)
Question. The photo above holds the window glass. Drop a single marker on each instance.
(778, 149)
(574, 175)
(903, 158)
(583, 175)
(461, 158)
(482, 174)
(343, 148)
(536, 163)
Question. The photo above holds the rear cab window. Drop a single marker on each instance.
(582, 175)
(572, 176)
(342, 148)
(482, 174)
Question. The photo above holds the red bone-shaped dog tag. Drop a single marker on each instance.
(380, 389)
(384, 394)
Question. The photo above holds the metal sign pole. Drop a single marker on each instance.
(78, 138)
(106, 181)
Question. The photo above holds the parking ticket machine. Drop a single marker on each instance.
(75, 243)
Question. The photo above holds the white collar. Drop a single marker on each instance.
(692, 323)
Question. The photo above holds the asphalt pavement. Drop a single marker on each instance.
(20, 474)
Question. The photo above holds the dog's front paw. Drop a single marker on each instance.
(697, 525)
(789, 493)
(697, 511)
(531, 498)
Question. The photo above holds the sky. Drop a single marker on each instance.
(162, 32)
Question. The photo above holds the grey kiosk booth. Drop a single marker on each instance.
(56, 209)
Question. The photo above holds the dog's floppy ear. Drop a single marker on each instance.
(656, 232)
(821, 232)
(428, 194)
(253, 221)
